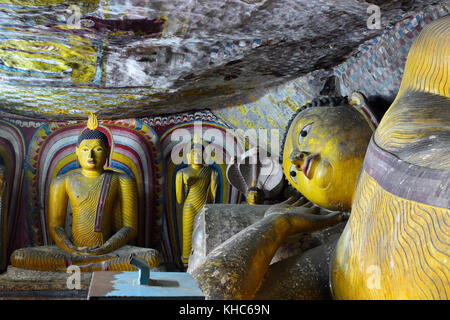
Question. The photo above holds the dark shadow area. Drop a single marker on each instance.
(379, 105)
(164, 283)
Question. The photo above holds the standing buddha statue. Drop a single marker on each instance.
(195, 186)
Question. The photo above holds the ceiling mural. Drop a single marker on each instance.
(61, 60)
(375, 71)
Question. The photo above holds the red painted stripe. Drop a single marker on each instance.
(101, 202)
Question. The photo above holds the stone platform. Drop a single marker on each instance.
(18, 283)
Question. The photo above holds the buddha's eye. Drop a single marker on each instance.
(293, 173)
(304, 133)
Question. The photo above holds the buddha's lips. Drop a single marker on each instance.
(308, 162)
(90, 161)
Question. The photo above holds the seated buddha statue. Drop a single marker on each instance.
(195, 186)
(104, 208)
(395, 244)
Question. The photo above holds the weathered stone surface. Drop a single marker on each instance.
(131, 58)
(17, 279)
(17, 283)
(218, 222)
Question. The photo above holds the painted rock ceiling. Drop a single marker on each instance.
(132, 58)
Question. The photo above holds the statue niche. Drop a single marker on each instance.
(3, 221)
(104, 208)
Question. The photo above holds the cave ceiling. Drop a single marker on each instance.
(60, 59)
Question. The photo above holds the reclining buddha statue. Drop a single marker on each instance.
(104, 208)
(395, 183)
(323, 151)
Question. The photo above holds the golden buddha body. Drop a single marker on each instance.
(104, 209)
(396, 243)
(195, 186)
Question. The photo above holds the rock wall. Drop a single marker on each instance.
(375, 69)
(133, 58)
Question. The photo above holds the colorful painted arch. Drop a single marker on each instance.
(136, 152)
(12, 154)
(220, 140)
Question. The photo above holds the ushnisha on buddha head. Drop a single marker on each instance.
(92, 148)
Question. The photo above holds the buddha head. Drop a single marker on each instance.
(92, 148)
(195, 154)
(324, 149)
(254, 195)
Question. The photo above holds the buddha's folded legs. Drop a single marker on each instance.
(53, 258)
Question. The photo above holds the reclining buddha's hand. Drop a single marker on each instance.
(293, 201)
(303, 216)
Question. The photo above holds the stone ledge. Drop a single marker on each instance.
(22, 284)
(17, 279)
(44, 295)
(17, 283)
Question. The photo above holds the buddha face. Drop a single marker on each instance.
(253, 197)
(195, 156)
(323, 153)
(92, 154)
